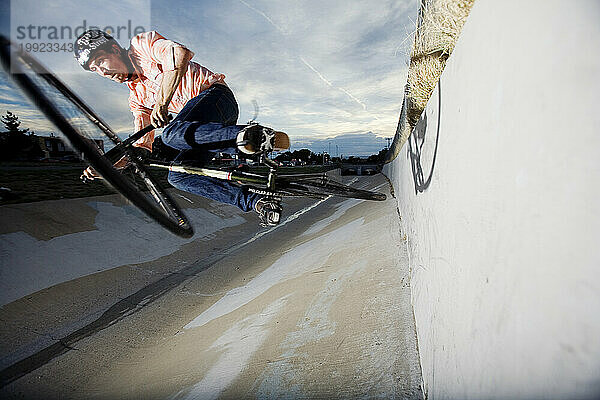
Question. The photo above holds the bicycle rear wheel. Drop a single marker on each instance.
(322, 186)
(84, 129)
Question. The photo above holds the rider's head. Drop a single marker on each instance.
(98, 52)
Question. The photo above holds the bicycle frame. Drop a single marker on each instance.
(268, 180)
(272, 184)
(238, 176)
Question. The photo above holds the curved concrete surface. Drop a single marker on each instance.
(498, 192)
(318, 307)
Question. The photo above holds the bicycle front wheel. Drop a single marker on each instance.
(86, 132)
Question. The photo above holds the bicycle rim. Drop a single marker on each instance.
(322, 186)
(82, 127)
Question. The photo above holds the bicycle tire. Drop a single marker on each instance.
(65, 110)
(323, 186)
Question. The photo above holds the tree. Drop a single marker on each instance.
(378, 158)
(287, 156)
(14, 142)
(301, 155)
(11, 123)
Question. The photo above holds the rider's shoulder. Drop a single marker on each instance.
(145, 39)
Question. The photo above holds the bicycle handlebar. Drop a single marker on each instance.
(114, 153)
(120, 148)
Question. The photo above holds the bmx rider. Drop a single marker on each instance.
(162, 78)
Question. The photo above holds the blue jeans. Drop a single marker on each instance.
(205, 125)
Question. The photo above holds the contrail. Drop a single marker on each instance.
(331, 84)
(364, 106)
(264, 15)
(317, 72)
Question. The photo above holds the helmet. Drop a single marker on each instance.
(90, 42)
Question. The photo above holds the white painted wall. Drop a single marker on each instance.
(505, 242)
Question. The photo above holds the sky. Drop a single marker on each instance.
(329, 73)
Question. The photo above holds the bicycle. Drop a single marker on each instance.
(83, 128)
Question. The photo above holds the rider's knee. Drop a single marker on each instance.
(176, 179)
(167, 135)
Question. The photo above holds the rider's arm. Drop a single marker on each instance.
(169, 58)
(141, 119)
(180, 58)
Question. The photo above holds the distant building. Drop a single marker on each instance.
(54, 147)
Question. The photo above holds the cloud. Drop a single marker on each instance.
(265, 16)
(336, 62)
(316, 69)
(358, 144)
(119, 119)
(14, 101)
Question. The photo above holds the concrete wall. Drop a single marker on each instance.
(499, 194)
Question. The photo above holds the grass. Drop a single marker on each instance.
(438, 28)
(30, 182)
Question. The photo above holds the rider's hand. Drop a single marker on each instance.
(159, 116)
(91, 174)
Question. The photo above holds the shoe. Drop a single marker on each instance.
(256, 138)
(269, 211)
